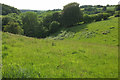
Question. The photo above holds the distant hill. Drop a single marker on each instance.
(6, 9)
(39, 11)
(26, 10)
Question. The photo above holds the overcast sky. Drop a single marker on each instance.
(53, 4)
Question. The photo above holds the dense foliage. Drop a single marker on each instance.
(12, 17)
(13, 27)
(71, 14)
(54, 26)
(30, 22)
(8, 9)
(117, 7)
(40, 24)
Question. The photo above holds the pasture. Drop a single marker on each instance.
(85, 51)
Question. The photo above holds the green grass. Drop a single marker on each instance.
(111, 8)
(73, 57)
(101, 32)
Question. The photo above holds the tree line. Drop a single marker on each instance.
(8, 9)
(31, 25)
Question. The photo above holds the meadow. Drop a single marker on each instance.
(85, 51)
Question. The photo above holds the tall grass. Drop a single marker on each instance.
(74, 57)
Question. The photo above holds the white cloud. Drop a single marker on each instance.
(53, 4)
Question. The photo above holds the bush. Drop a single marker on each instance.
(117, 14)
(93, 17)
(87, 18)
(13, 27)
(98, 17)
(54, 26)
(105, 16)
(110, 12)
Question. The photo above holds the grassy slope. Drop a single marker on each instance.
(92, 32)
(72, 57)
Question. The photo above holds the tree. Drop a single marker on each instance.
(47, 20)
(71, 14)
(5, 21)
(104, 8)
(54, 26)
(30, 22)
(56, 16)
(8, 9)
(13, 27)
(15, 17)
(117, 7)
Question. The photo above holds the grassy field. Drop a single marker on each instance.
(84, 51)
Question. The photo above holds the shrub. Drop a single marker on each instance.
(110, 12)
(98, 17)
(93, 17)
(13, 27)
(117, 14)
(105, 16)
(54, 26)
(87, 18)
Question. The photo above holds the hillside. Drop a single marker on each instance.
(6, 9)
(102, 32)
(85, 51)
